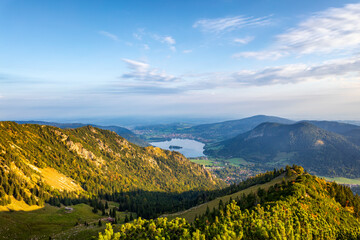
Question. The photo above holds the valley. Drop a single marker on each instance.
(46, 169)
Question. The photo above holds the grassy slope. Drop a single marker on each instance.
(191, 213)
(51, 221)
(58, 180)
(18, 206)
(44, 222)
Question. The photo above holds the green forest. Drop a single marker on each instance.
(99, 164)
(147, 192)
(304, 208)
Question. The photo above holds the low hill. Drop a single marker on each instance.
(319, 151)
(300, 206)
(38, 163)
(123, 132)
(228, 129)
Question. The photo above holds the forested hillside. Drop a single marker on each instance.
(304, 208)
(123, 132)
(350, 131)
(44, 163)
(275, 145)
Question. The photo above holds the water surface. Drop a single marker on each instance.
(190, 148)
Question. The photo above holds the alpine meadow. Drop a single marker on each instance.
(179, 120)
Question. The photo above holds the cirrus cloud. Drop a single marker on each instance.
(218, 25)
(142, 72)
(294, 73)
(329, 31)
(109, 35)
(244, 40)
(143, 79)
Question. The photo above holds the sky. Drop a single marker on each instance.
(73, 59)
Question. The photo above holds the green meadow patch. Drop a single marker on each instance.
(53, 222)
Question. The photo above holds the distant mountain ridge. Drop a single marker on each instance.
(207, 133)
(224, 130)
(334, 126)
(302, 143)
(123, 132)
(350, 131)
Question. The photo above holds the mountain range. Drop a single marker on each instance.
(42, 164)
(206, 133)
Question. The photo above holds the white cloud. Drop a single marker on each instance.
(144, 79)
(262, 55)
(244, 40)
(169, 40)
(218, 25)
(142, 72)
(329, 31)
(109, 35)
(341, 68)
(145, 36)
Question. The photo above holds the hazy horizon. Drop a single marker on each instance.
(134, 121)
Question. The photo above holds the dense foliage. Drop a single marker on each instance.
(150, 204)
(271, 144)
(306, 208)
(100, 161)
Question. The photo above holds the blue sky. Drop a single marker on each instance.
(82, 59)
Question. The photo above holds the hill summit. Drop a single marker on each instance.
(301, 206)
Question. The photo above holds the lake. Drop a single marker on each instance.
(190, 148)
